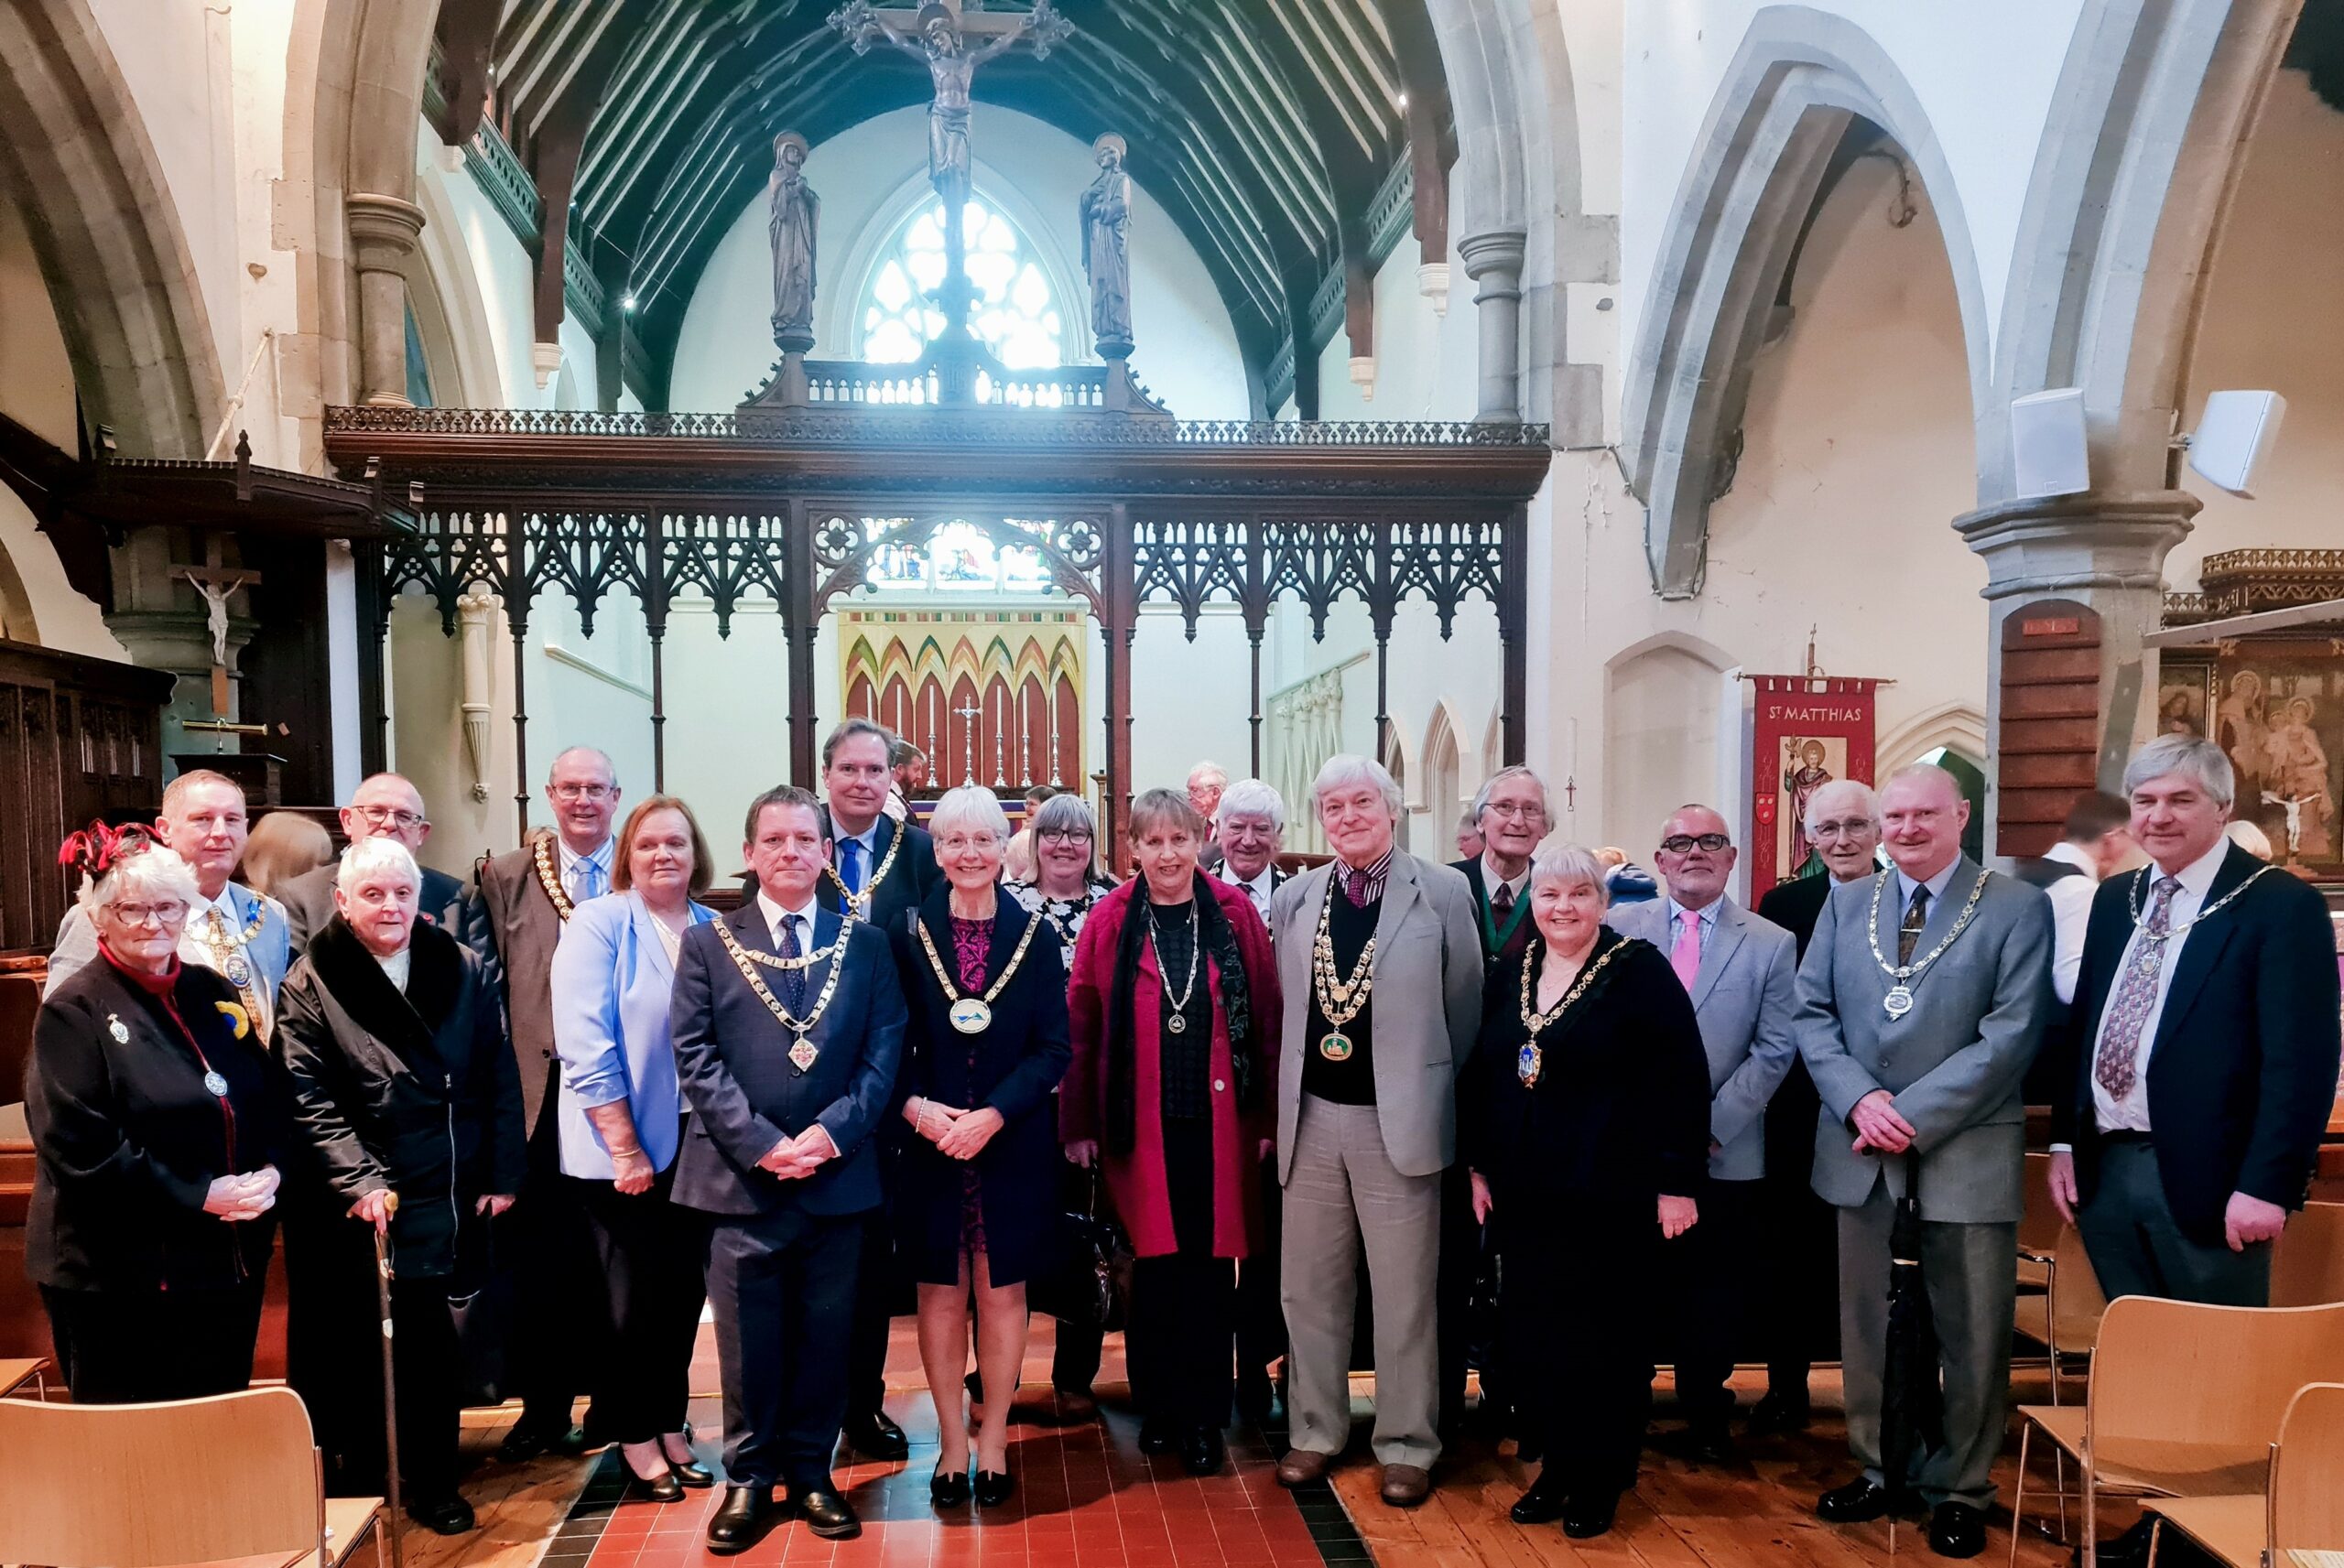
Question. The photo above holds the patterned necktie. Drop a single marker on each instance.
(850, 863)
(585, 881)
(1501, 901)
(1685, 957)
(2117, 1068)
(1916, 917)
(793, 981)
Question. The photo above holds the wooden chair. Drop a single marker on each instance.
(2308, 1260)
(186, 1481)
(2038, 1225)
(2063, 1316)
(2183, 1400)
(2301, 1510)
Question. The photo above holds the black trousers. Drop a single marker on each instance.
(1261, 1313)
(554, 1343)
(652, 1253)
(877, 1293)
(1580, 1332)
(1075, 1351)
(1797, 1308)
(1184, 1304)
(783, 1285)
(117, 1347)
(1708, 1273)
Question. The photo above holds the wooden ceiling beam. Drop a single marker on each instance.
(466, 30)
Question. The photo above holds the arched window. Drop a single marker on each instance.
(1015, 313)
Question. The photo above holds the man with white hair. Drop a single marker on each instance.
(388, 807)
(1513, 813)
(1249, 833)
(230, 928)
(1923, 999)
(1381, 972)
(1206, 781)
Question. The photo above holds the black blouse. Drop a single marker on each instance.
(1621, 1110)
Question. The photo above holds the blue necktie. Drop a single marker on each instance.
(589, 881)
(793, 981)
(851, 864)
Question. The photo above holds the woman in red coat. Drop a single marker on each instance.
(1174, 1005)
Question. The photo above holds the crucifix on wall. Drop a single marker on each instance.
(214, 584)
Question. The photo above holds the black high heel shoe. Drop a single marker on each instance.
(995, 1488)
(949, 1488)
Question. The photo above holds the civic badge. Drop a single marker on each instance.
(118, 1029)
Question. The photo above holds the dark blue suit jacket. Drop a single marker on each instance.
(2242, 1071)
(733, 1064)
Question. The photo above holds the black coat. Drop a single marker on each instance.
(2242, 1072)
(909, 880)
(414, 1092)
(126, 1139)
(1796, 905)
(1621, 1111)
(1012, 1067)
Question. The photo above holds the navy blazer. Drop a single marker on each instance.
(746, 1096)
(2242, 1072)
(909, 880)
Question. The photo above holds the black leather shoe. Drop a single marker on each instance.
(528, 1439)
(696, 1476)
(1779, 1412)
(1709, 1440)
(740, 1519)
(995, 1488)
(661, 1489)
(1589, 1514)
(1203, 1451)
(1157, 1436)
(873, 1436)
(949, 1488)
(1858, 1502)
(827, 1514)
(449, 1515)
(1957, 1529)
(1542, 1504)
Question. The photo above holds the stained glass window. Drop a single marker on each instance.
(1015, 313)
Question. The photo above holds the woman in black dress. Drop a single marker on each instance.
(157, 1123)
(976, 1197)
(1584, 1118)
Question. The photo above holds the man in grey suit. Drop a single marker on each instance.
(1381, 967)
(1743, 974)
(1923, 999)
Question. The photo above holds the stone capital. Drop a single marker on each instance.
(1496, 249)
(383, 231)
(2074, 544)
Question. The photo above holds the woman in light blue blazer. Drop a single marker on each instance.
(622, 1123)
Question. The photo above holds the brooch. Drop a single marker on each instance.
(118, 1029)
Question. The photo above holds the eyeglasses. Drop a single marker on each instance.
(954, 843)
(1525, 809)
(1065, 836)
(169, 914)
(392, 816)
(582, 792)
(1847, 829)
(1684, 843)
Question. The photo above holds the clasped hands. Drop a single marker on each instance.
(957, 1134)
(239, 1197)
(1879, 1130)
(794, 1158)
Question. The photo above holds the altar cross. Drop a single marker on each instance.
(967, 716)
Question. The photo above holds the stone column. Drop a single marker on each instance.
(1493, 261)
(383, 232)
(2103, 549)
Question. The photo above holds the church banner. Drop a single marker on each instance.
(1807, 732)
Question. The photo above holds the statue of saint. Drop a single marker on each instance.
(1106, 254)
(795, 211)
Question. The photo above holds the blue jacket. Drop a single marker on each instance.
(612, 984)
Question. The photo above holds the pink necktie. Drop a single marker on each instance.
(1686, 958)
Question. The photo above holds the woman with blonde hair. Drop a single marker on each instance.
(284, 844)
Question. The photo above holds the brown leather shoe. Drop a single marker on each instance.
(1405, 1486)
(1301, 1466)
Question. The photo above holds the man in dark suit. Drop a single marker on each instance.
(514, 922)
(1799, 1303)
(788, 1025)
(2202, 1048)
(882, 870)
(1249, 831)
(384, 806)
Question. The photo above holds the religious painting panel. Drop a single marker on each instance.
(2186, 694)
(1805, 733)
(994, 699)
(2279, 715)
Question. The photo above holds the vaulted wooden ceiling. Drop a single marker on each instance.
(1278, 134)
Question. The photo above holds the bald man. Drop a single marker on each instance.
(384, 807)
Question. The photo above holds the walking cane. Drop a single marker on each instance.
(390, 1383)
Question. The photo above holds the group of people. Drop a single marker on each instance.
(881, 1082)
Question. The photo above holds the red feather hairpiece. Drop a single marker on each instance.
(98, 849)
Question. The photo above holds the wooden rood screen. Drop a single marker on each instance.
(797, 506)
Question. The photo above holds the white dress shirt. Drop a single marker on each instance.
(2131, 1114)
(1492, 882)
(1258, 890)
(774, 913)
(2070, 913)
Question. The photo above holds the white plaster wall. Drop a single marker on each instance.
(2275, 318)
(869, 176)
(1426, 364)
(1984, 72)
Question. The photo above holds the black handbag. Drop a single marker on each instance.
(1089, 1280)
(481, 1295)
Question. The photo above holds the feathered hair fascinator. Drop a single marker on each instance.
(98, 849)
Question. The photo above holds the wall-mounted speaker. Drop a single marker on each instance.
(2235, 431)
(2047, 452)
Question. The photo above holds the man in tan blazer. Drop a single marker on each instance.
(1381, 963)
(523, 899)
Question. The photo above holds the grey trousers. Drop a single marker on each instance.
(2137, 1250)
(1971, 1275)
(1342, 1189)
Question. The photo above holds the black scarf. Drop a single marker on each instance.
(1219, 939)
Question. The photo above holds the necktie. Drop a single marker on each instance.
(2117, 1068)
(793, 981)
(1916, 916)
(850, 863)
(1686, 959)
(229, 961)
(1501, 901)
(585, 881)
